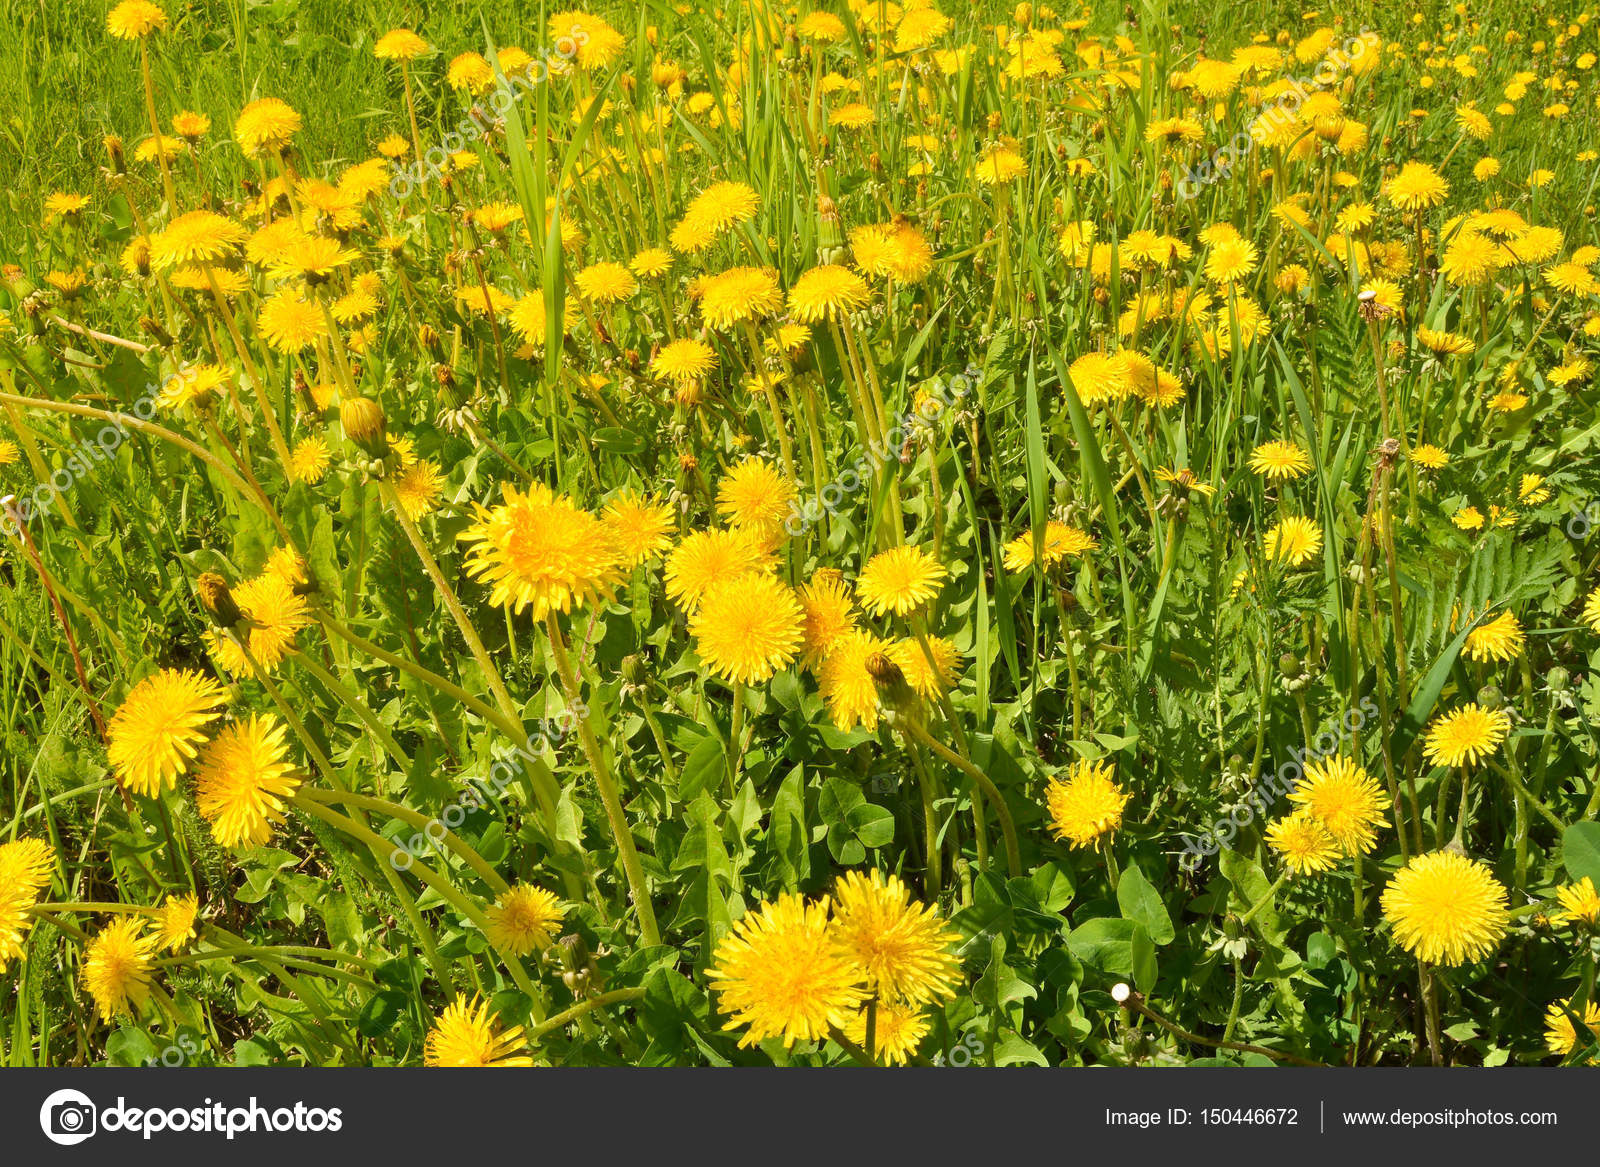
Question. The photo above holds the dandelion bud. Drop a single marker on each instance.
(634, 669)
(893, 689)
(428, 337)
(364, 424)
(113, 145)
(1558, 679)
(1329, 126)
(217, 600)
(1490, 697)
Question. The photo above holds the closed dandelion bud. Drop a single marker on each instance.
(1490, 697)
(113, 145)
(1558, 679)
(893, 689)
(428, 337)
(217, 600)
(1329, 126)
(1289, 665)
(634, 669)
(364, 424)
(153, 327)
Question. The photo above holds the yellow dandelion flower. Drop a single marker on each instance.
(899, 580)
(1465, 736)
(524, 920)
(1304, 843)
(1446, 909)
(747, 628)
(1349, 803)
(781, 973)
(537, 549)
(117, 969)
(902, 948)
(465, 1035)
(1087, 805)
(245, 780)
(158, 729)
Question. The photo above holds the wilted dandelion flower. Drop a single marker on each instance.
(245, 780)
(782, 973)
(465, 1035)
(1349, 803)
(1465, 736)
(1087, 805)
(265, 126)
(159, 727)
(899, 580)
(175, 922)
(1500, 639)
(1293, 540)
(1580, 903)
(1446, 909)
(1305, 844)
(640, 528)
(747, 628)
(117, 969)
(524, 920)
(1279, 460)
(1060, 541)
(903, 948)
(537, 549)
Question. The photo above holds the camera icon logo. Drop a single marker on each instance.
(68, 1117)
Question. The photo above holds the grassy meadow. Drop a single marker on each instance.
(836, 533)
